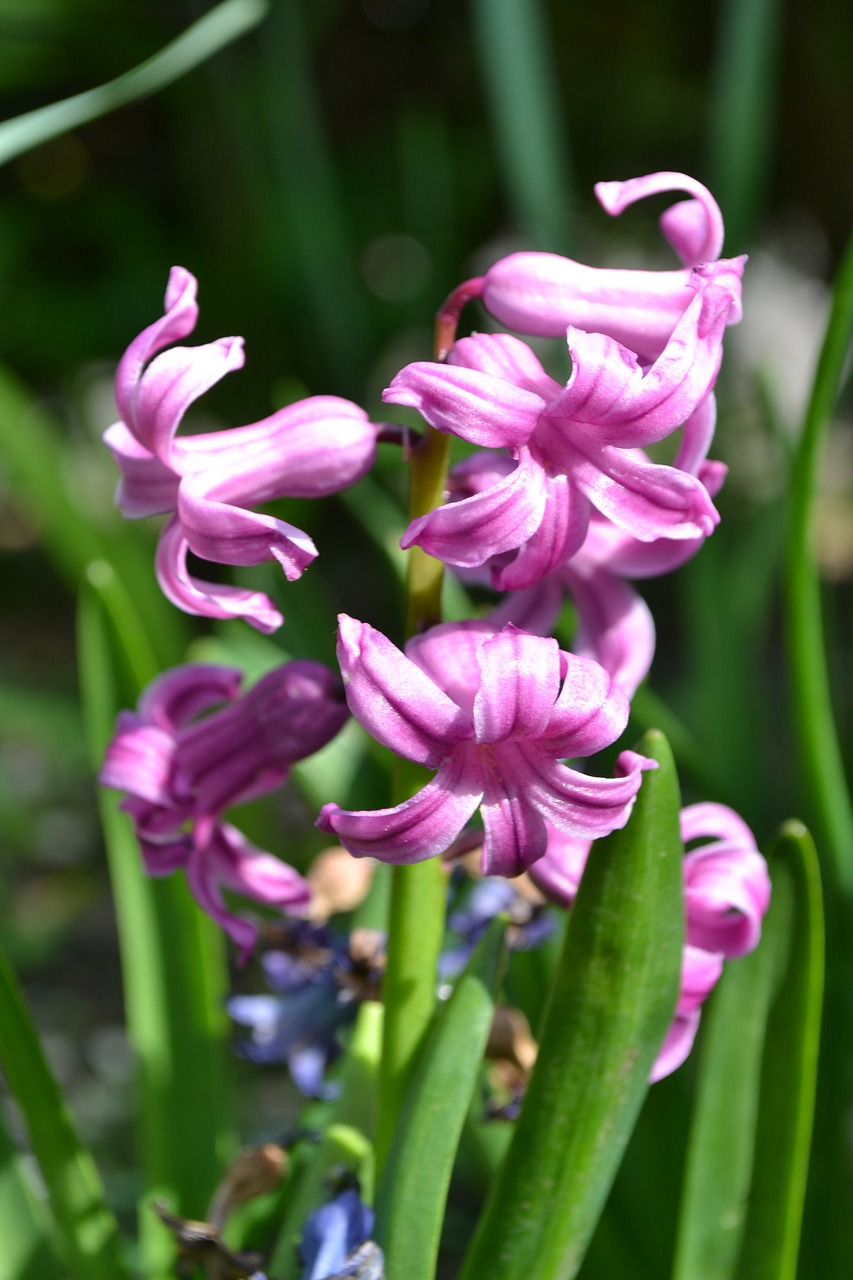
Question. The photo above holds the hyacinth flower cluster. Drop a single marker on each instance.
(180, 773)
(559, 496)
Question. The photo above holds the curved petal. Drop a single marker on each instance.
(394, 699)
(207, 599)
(171, 383)
(139, 760)
(519, 684)
(709, 821)
(559, 535)
(146, 486)
(693, 227)
(179, 321)
(226, 534)
(700, 973)
(475, 406)
(505, 357)
(589, 714)
(558, 872)
(646, 500)
(630, 406)
(676, 1046)
(534, 609)
(180, 694)
(696, 437)
(447, 653)
(469, 532)
(419, 828)
(727, 893)
(515, 832)
(615, 627)
(577, 804)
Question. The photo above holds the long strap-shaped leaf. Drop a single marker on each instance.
(789, 1072)
(613, 998)
(86, 1230)
(413, 1190)
(24, 1225)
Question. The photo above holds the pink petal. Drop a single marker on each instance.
(172, 382)
(589, 714)
(147, 487)
(226, 534)
(676, 1046)
(693, 227)
(419, 828)
(448, 654)
(475, 406)
(207, 599)
(615, 626)
(505, 357)
(577, 804)
(696, 437)
(515, 833)
(469, 532)
(646, 500)
(139, 760)
(559, 536)
(558, 872)
(519, 683)
(181, 693)
(395, 701)
(179, 321)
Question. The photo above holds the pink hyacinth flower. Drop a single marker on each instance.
(180, 773)
(209, 481)
(495, 712)
(577, 448)
(541, 294)
(726, 896)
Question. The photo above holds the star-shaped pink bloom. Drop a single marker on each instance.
(495, 712)
(577, 447)
(311, 448)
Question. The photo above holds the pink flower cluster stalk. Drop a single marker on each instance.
(180, 773)
(726, 896)
(208, 482)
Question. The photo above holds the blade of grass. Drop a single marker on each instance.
(521, 87)
(26, 1253)
(86, 1230)
(199, 42)
(820, 752)
(789, 1073)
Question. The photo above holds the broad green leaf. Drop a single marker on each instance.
(789, 1071)
(413, 1191)
(174, 978)
(86, 1231)
(613, 999)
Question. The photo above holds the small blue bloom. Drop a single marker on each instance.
(336, 1243)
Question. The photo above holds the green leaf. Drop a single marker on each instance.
(612, 1002)
(789, 1071)
(199, 42)
(86, 1230)
(173, 972)
(413, 1190)
(26, 1253)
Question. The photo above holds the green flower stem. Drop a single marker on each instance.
(416, 917)
(86, 1230)
(820, 752)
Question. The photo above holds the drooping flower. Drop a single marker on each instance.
(495, 712)
(726, 896)
(576, 448)
(318, 981)
(209, 482)
(542, 294)
(180, 774)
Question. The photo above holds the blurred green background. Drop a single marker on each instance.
(329, 178)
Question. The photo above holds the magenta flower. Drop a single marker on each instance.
(180, 774)
(726, 896)
(494, 712)
(576, 448)
(308, 449)
(543, 294)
